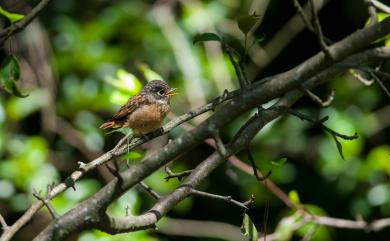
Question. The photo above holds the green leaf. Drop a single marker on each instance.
(248, 228)
(13, 17)
(9, 74)
(132, 155)
(126, 85)
(246, 22)
(279, 162)
(339, 146)
(286, 227)
(148, 73)
(206, 37)
(294, 197)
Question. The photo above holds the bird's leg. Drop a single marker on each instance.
(128, 137)
(128, 149)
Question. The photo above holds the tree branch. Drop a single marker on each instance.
(306, 20)
(380, 83)
(315, 98)
(318, 30)
(381, 6)
(72, 219)
(20, 25)
(261, 92)
(76, 175)
(4, 225)
(371, 11)
(149, 190)
(178, 175)
(228, 199)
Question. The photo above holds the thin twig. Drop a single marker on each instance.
(253, 164)
(357, 74)
(303, 15)
(4, 224)
(315, 98)
(125, 138)
(380, 83)
(128, 211)
(149, 190)
(265, 219)
(236, 64)
(381, 6)
(372, 12)
(20, 25)
(317, 122)
(306, 20)
(47, 203)
(228, 199)
(381, 73)
(221, 149)
(178, 175)
(318, 29)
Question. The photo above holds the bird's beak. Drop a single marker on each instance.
(171, 92)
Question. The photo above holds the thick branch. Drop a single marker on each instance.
(76, 175)
(260, 93)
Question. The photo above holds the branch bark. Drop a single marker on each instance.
(95, 206)
(20, 25)
(91, 213)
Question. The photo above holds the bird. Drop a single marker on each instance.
(144, 112)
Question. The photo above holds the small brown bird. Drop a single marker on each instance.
(144, 112)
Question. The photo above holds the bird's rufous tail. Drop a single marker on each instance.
(108, 124)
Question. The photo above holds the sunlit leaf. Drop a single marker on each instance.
(125, 81)
(148, 73)
(126, 85)
(9, 74)
(294, 197)
(248, 228)
(206, 37)
(286, 227)
(247, 22)
(13, 17)
(279, 162)
(339, 146)
(132, 155)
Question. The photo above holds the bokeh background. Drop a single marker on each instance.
(83, 59)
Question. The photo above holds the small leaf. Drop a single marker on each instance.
(279, 162)
(248, 228)
(206, 37)
(133, 155)
(148, 73)
(294, 197)
(13, 17)
(246, 22)
(286, 227)
(339, 146)
(9, 74)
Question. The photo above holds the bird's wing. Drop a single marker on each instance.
(132, 104)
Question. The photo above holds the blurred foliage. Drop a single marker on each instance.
(102, 55)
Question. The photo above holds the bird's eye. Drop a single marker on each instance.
(161, 92)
